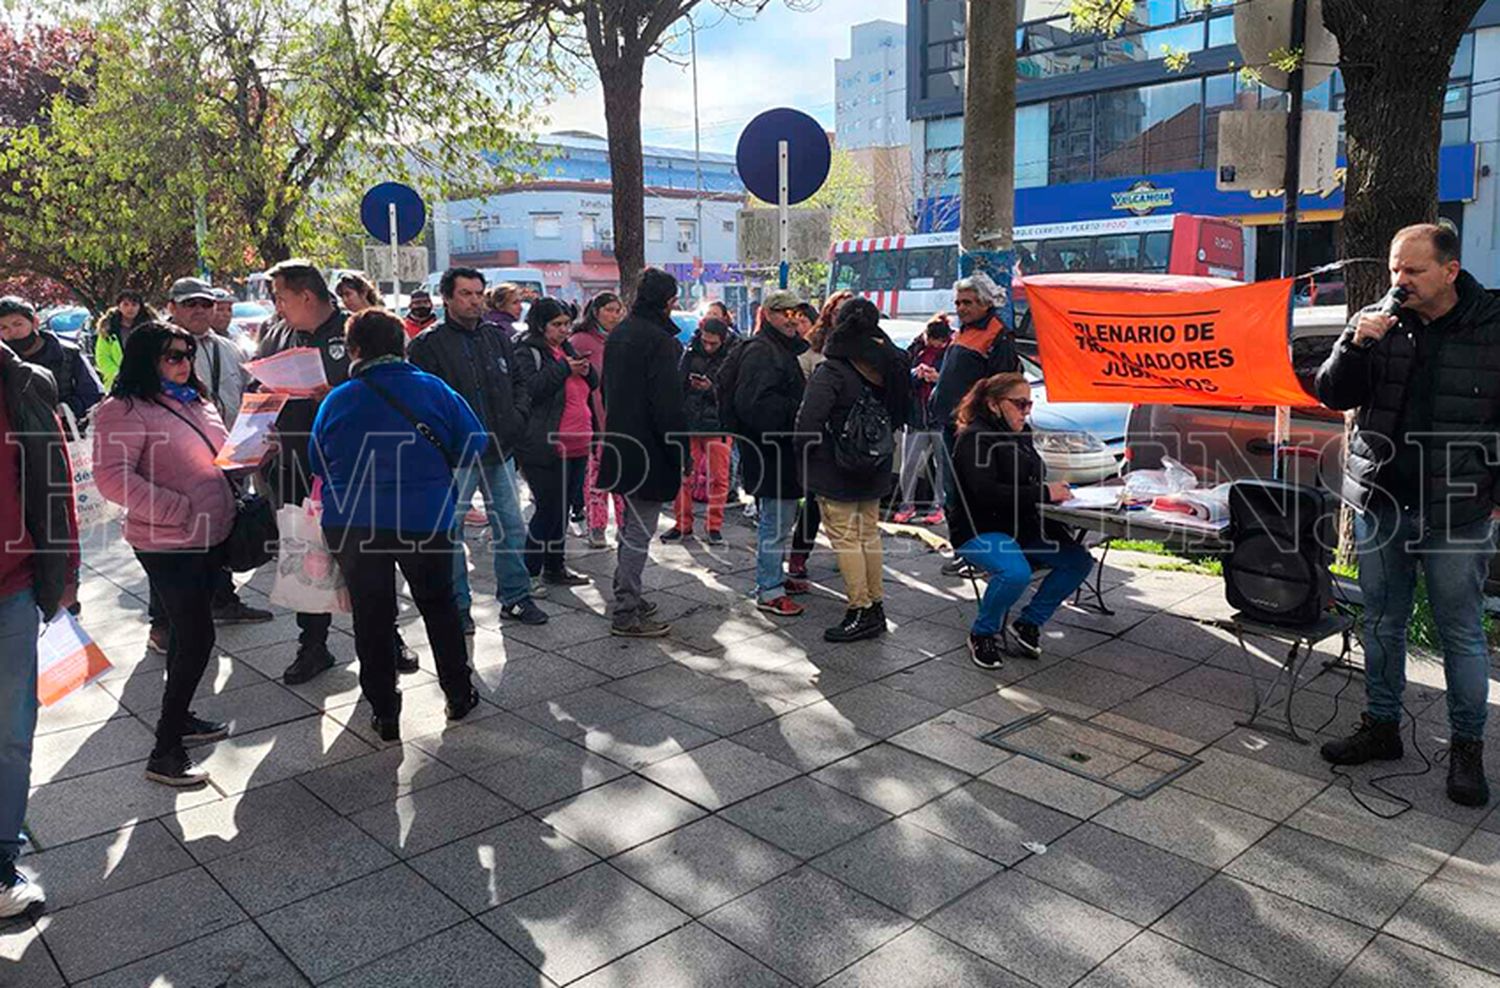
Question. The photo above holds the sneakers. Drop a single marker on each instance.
(311, 660)
(675, 534)
(157, 640)
(1466, 782)
(175, 768)
(21, 897)
(524, 611)
(639, 625)
(904, 515)
(858, 624)
(985, 651)
(794, 585)
(782, 606)
(386, 728)
(406, 659)
(460, 708)
(239, 612)
(566, 578)
(796, 565)
(200, 731)
(715, 537)
(596, 539)
(751, 512)
(648, 608)
(1374, 741)
(538, 588)
(933, 517)
(959, 567)
(1028, 638)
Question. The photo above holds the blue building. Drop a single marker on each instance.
(1100, 117)
(559, 219)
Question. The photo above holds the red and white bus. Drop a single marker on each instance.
(912, 275)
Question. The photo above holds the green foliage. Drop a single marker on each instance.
(848, 196)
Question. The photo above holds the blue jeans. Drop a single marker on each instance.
(1009, 565)
(773, 527)
(1391, 541)
(18, 705)
(496, 483)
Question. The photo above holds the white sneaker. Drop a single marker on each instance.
(21, 897)
(750, 510)
(538, 587)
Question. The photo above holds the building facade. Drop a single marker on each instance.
(1105, 129)
(560, 220)
(870, 88)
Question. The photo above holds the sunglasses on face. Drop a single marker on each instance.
(197, 303)
(1023, 404)
(176, 356)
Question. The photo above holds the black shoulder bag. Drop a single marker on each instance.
(423, 429)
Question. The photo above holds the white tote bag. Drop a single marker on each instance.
(91, 507)
(308, 579)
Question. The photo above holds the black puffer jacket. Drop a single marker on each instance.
(479, 364)
(767, 395)
(702, 407)
(1002, 484)
(852, 363)
(77, 385)
(963, 366)
(544, 378)
(642, 453)
(1459, 460)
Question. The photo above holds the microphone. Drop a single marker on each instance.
(1391, 304)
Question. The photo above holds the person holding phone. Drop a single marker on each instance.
(709, 445)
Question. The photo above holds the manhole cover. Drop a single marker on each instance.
(1126, 764)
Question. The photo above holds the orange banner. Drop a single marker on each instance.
(1222, 347)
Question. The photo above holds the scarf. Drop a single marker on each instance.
(981, 335)
(365, 365)
(185, 393)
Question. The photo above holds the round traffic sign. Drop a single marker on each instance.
(808, 155)
(411, 212)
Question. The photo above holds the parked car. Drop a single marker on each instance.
(246, 323)
(67, 321)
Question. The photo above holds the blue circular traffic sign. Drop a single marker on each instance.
(411, 212)
(808, 155)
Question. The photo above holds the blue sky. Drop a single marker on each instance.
(782, 58)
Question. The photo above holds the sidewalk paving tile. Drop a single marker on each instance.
(103, 802)
(256, 706)
(619, 815)
(470, 746)
(98, 866)
(1163, 712)
(1476, 863)
(424, 710)
(523, 681)
(805, 817)
(912, 870)
(1136, 659)
(345, 927)
(1135, 881)
(463, 956)
(431, 817)
(645, 740)
(1251, 786)
(1042, 783)
(234, 824)
(704, 865)
(880, 711)
(1329, 876)
(547, 775)
(1458, 921)
(1414, 839)
(805, 925)
(949, 682)
(689, 957)
(24, 958)
(1152, 961)
(573, 714)
(729, 709)
(718, 774)
(663, 685)
(1266, 934)
(376, 778)
(276, 753)
(891, 778)
(1388, 961)
(269, 876)
(90, 939)
(240, 955)
(89, 748)
(492, 867)
(1046, 936)
(1187, 825)
(920, 958)
(1085, 684)
(1178, 635)
(807, 739)
(582, 922)
(992, 821)
(953, 739)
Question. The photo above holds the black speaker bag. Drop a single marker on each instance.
(1282, 536)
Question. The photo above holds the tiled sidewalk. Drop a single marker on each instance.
(741, 804)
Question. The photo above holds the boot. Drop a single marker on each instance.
(1374, 741)
(1467, 785)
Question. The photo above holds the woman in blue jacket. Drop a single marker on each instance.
(385, 444)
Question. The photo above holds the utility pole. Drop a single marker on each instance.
(697, 159)
(988, 206)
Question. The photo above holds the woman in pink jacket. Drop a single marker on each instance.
(603, 314)
(155, 439)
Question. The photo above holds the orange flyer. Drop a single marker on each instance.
(67, 659)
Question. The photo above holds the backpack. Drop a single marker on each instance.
(866, 443)
(727, 383)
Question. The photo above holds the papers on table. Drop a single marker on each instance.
(250, 439)
(297, 372)
(1100, 497)
(66, 658)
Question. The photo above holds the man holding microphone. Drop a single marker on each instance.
(1423, 475)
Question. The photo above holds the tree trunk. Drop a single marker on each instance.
(622, 120)
(1395, 56)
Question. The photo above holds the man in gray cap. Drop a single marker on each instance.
(223, 312)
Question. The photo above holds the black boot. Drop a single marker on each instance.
(1374, 741)
(876, 616)
(858, 624)
(1467, 785)
(311, 660)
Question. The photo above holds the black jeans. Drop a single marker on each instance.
(805, 531)
(553, 486)
(183, 584)
(368, 560)
(223, 595)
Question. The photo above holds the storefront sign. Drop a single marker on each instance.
(1142, 199)
(1221, 347)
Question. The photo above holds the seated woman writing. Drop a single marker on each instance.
(997, 523)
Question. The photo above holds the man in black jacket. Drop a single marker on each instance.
(642, 454)
(38, 575)
(1422, 474)
(767, 393)
(477, 360)
(77, 386)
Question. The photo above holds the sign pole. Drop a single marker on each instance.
(783, 214)
(395, 261)
(1291, 190)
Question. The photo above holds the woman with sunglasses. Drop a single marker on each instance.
(155, 439)
(997, 522)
